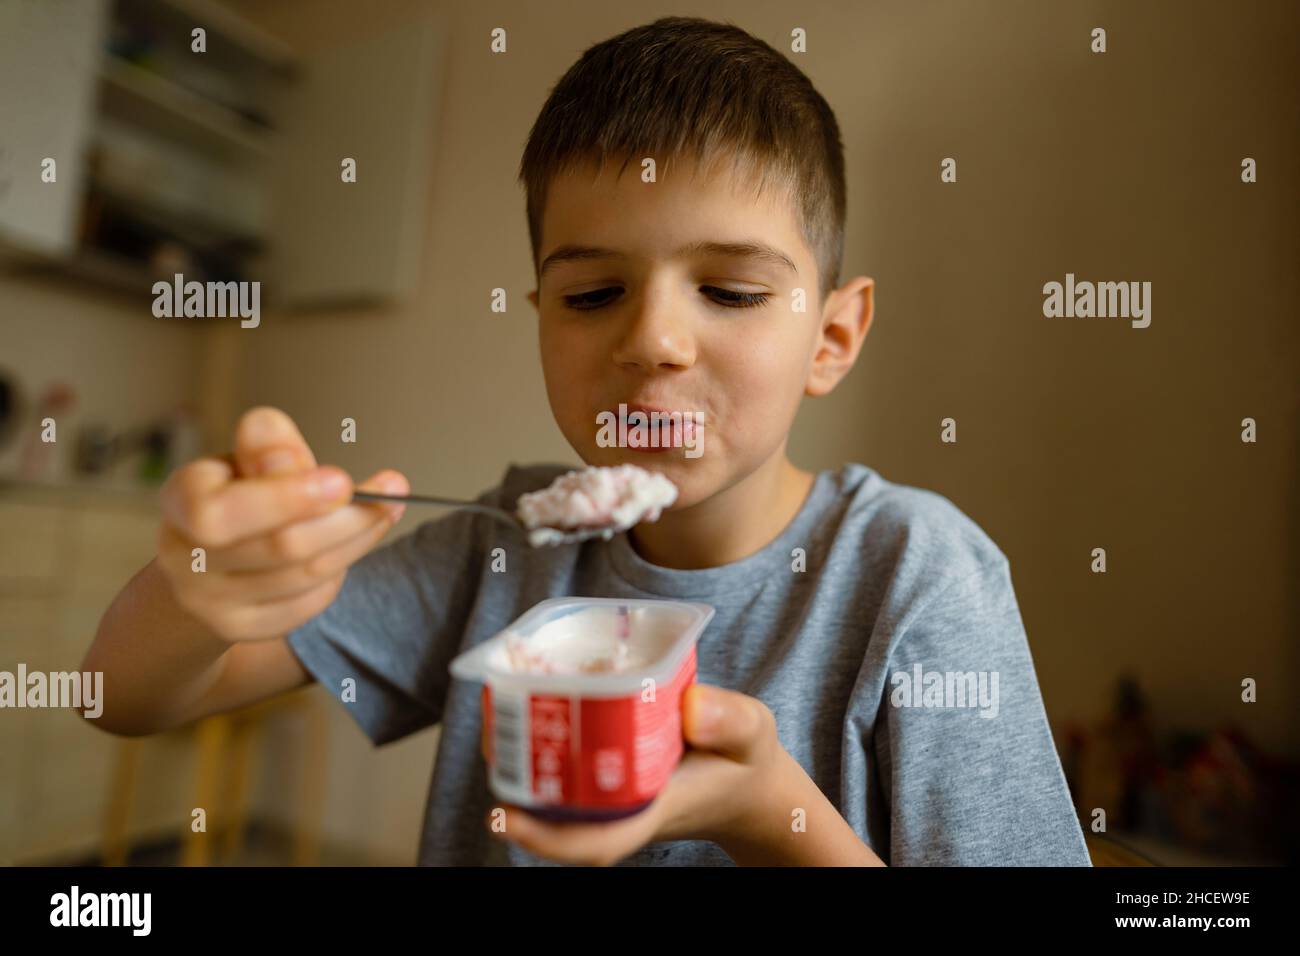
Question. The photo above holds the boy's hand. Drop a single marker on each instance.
(277, 531)
(736, 785)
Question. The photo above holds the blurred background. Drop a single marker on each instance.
(1073, 434)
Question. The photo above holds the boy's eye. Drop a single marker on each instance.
(734, 299)
(591, 300)
(731, 298)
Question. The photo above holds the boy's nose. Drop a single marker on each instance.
(656, 336)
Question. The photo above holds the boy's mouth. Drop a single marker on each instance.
(665, 437)
(651, 429)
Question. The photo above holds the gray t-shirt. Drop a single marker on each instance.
(880, 627)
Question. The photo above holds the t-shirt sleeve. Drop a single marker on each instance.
(965, 751)
(395, 625)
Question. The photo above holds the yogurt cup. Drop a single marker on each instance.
(581, 703)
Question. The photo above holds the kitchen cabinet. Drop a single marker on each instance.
(64, 554)
(232, 156)
(49, 59)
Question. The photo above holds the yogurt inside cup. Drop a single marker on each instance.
(594, 640)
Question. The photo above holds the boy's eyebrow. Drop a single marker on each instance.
(745, 249)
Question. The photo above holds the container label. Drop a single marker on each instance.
(507, 729)
(586, 753)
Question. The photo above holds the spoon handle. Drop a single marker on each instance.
(498, 513)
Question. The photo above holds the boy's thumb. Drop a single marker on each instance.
(267, 442)
(723, 720)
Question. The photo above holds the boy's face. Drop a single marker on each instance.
(640, 305)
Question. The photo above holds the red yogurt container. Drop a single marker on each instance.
(567, 742)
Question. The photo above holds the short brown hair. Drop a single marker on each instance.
(684, 84)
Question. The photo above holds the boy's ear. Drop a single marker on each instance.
(846, 319)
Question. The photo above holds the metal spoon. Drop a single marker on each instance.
(537, 537)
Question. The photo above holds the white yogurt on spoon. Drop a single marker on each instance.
(612, 499)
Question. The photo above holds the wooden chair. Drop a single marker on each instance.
(223, 774)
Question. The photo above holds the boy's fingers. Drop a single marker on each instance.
(267, 442)
(241, 509)
(277, 583)
(268, 587)
(722, 720)
(304, 540)
(200, 477)
(190, 484)
(592, 844)
(389, 482)
(175, 551)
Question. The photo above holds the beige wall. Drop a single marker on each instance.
(126, 366)
(1073, 434)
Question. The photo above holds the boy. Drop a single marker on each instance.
(816, 734)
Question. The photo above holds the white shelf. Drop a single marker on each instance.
(249, 133)
(188, 222)
(247, 38)
(138, 96)
(99, 267)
